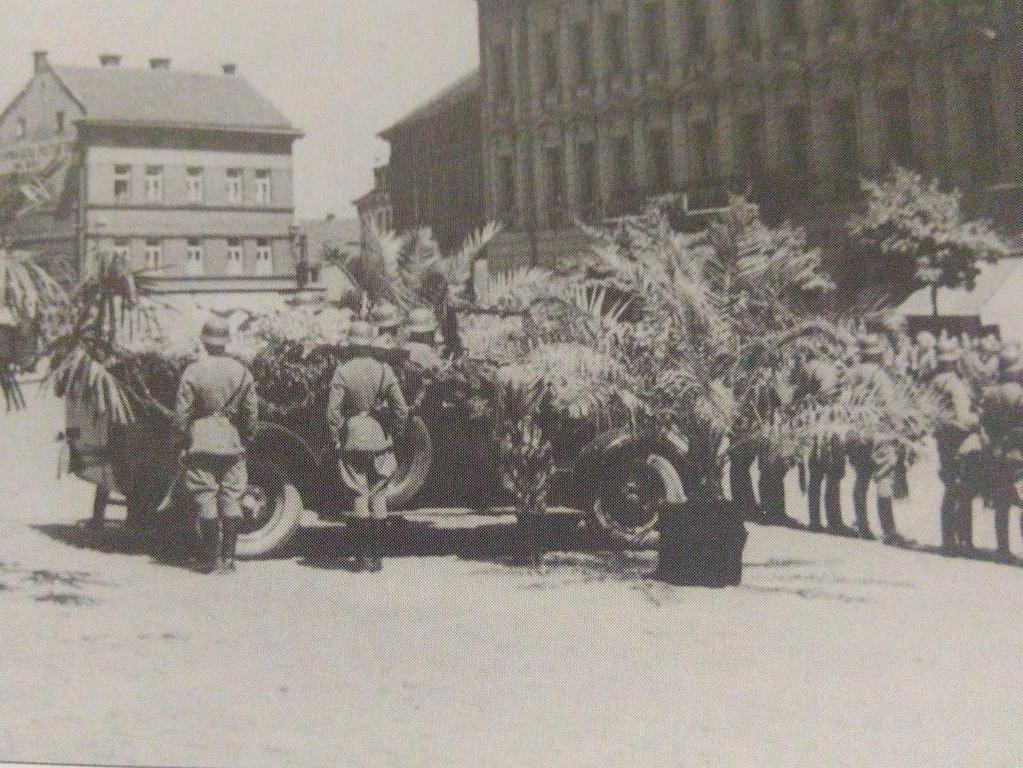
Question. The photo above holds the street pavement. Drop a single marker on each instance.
(833, 652)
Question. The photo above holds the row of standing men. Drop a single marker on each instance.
(978, 435)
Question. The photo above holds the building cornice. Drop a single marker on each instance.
(192, 208)
(88, 122)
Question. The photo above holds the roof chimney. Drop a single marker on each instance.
(110, 60)
(229, 69)
(39, 62)
(159, 63)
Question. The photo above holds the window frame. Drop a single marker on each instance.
(264, 258)
(263, 192)
(122, 175)
(195, 254)
(153, 255)
(154, 183)
(235, 185)
(195, 185)
(235, 264)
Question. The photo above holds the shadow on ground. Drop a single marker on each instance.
(568, 546)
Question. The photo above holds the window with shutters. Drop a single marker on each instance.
(264, 258)
(235, 257)
(154, 254)
(194, 184)
(263, 190)
(122, 183)
(121, 251)
(154, 184)
(195, 260)
(234, 185)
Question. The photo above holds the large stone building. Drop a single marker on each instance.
(188, 176)
(593, 106)
(435, 174)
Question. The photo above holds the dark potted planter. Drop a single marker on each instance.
(701, 544)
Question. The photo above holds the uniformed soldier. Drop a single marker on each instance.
(983, 364)
(772, 464)
(826, 462)
(1002, 421)
(362, 389)
(421, 342)
(956, 421)
(923, 361)
(217, 409)
(874, 457)
(387, 320)
(437, 291)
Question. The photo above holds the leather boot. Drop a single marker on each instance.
(359, 527)
(229, 545)
(374, 562)
(889, 534)
(210, 537)
(860, 507)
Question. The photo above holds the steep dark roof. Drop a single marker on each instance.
(464, 88)
(170, 97)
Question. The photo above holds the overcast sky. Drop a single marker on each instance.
(341, 70)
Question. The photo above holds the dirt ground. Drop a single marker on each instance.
(832, 652)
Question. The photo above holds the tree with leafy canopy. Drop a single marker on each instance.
(923, 235)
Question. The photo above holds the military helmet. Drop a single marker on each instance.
(1010, 358)
(990, 344)
(871, 345)
(926, 340)
(384, 316)
(363, 334)
(422, 321)
(216, 332)
(948, 350)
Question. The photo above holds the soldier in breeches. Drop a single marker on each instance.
(955, 423)
(818, 380)
(1002, 422)
(362, 389)
(874, 457)
(217, 408)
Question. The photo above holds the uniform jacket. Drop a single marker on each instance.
(217, 384)
(365, 387)
(957, 402)
(1002, 414)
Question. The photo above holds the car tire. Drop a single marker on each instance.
(415, 457)
(635, 524)
(279, 514)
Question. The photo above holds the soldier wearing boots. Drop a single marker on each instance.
(1002, 422)
(874, 457)
(362, 390)
(818, 380)
(216, 407)
(955, 423)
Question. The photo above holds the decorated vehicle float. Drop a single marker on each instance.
(607, 473)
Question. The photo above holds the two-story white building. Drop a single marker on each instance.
(188, 176)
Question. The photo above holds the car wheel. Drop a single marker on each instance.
(414, 452)
(273, 511)
(634, 484)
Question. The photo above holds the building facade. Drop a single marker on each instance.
(592, 107)
(435, 174)
(187, 176)
(374, 208)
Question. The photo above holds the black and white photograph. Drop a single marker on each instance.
(511, 383)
